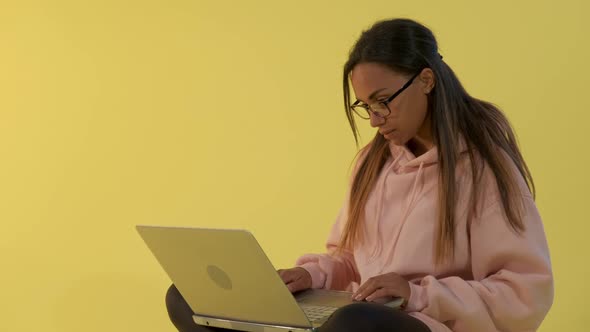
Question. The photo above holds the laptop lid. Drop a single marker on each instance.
(224, 273)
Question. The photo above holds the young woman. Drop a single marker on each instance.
(440, 209)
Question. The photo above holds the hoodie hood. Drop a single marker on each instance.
(411, 176)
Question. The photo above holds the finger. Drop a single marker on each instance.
(369, 287)
(361, 288)
(288, 276)
(381, 292)
(356, 295)
(366, 292)
(296, 285)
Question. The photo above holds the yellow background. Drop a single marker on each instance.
(229, 114)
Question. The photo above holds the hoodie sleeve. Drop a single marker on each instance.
(330, 270)
(512, 288)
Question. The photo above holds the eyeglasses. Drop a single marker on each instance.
(381, 108)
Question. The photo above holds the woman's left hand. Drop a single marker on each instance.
(389, 284)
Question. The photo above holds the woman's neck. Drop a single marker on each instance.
(419, 146)
(423, 141)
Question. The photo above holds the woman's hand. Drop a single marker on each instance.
(390, 284)
(296, 279)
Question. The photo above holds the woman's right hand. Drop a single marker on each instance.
(296, 279)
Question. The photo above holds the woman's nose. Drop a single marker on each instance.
(376, 120)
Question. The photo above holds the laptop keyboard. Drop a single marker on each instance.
(316, 313)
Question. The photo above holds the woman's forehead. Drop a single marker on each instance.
(366, 78)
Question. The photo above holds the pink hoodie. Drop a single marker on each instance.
(498, 281)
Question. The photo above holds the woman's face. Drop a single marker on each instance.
(373, 82)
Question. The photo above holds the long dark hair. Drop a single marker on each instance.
(408, 47)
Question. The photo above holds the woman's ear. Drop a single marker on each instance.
(427, 80)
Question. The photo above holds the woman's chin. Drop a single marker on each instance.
(395, 140)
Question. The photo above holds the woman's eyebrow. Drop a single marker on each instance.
(373, 94)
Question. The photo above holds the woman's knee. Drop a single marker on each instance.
(363, 316)
(179, 311)
(353, 317)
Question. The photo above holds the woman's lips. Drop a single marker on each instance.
(387, 132)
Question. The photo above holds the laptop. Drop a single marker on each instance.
(229, 282)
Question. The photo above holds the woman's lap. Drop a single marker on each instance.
(360, 316)
(368, 317)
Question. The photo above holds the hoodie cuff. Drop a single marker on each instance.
(418, 298)
(318, 277)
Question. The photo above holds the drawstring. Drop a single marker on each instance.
(378, 247)
(408, 207)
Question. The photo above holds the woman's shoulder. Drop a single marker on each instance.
(485, 178)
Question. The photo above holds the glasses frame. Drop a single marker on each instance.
(369, 108)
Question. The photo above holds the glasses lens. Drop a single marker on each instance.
(380, 109)
(361, 111)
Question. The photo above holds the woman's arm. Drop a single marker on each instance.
(512, 288)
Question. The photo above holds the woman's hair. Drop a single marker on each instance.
(407, 47)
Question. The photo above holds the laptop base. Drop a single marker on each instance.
(246, 326)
